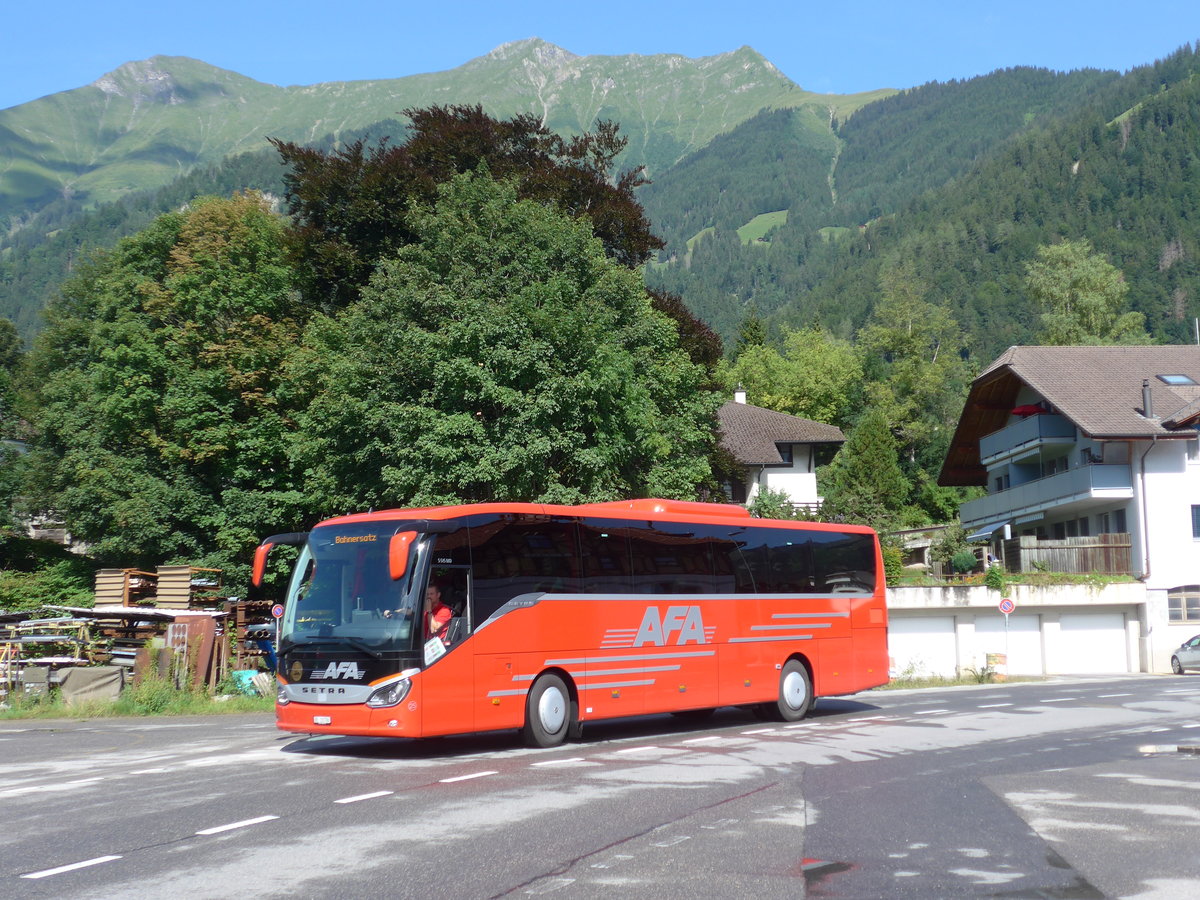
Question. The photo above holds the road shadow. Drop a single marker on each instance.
(652, 727)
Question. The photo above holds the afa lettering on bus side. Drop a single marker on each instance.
(684, 622)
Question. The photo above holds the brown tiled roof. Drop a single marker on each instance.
(752, 433)
(1099, 389)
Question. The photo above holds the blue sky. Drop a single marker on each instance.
(51, 46)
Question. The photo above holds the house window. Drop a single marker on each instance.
(1196, 522)
(1002, 482)
(1072, 529)
(1085, 530)
(1119, 522)
(1193, 451)
(785, 452)
(1059, 530)
(1102, 521)
(1183, 603)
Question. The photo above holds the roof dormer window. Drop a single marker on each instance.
(1176, 379)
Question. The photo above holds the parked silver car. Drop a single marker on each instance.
(1187, 656)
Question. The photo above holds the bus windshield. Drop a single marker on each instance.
(342, 592)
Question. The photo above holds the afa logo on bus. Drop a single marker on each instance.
(684, 623)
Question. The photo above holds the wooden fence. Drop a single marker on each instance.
(1107, 554)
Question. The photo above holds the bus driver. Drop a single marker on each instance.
(437, 613)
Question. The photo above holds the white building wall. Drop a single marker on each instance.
(1164, 496)
(1065, 629)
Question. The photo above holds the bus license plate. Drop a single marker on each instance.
(322, 720)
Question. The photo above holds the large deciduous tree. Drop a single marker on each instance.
(352, 206)
(1082, 297)
(815, 375)
(501, 355)
(160, 420)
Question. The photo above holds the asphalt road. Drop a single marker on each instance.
(1065, 789)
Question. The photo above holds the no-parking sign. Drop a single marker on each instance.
(277, 610)
(1007, 606)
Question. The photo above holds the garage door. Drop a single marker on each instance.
(1088, 643)
(1022, 642)
(921, 645)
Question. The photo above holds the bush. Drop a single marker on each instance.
(893, 565)
(994, 578)
(963, 561)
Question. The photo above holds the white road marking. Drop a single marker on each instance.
(1060, 699)
(701, 740)
(930, 712)
(72, 867)
(467, 777)
(245, 823)
(370, 796)
(635, 749)
(759, 731)
(1116, 695)
(552, 884)
(559, 762)
(993, 705)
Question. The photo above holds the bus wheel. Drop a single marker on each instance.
(795, 693)
(547, 712)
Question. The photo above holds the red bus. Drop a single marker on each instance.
(422, 622)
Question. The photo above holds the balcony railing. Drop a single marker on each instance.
(1085, 482)
(1027, 434)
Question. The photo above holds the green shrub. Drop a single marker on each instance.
(963, 561)
(893, 565)
(994, 578)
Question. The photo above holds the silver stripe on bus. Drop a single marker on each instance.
(512, 693)
(583, 660)
(793, 626)
(820, 615)
(638, 670)
(614, 684)
(782, 637)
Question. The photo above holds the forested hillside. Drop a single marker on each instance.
(1091, 155)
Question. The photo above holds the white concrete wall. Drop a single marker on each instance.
(1066, 629)
(1164, 498)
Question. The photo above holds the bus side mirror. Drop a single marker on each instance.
(260, 563)
(398, 553)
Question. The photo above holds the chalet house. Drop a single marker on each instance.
(776, 450)
(1092, 450)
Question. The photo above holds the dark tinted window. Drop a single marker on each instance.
(604, 556)
(671, 558)
(796, 561)
(513, 555)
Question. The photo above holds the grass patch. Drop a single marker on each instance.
(758, 227)
(936, 681)
(152, 696)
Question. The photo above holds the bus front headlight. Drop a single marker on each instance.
(389, 694)
(281, 696)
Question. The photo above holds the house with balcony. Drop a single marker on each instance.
(1092, 452)
(775, 451)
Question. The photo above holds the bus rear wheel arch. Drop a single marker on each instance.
(795, 698)
(551, 712)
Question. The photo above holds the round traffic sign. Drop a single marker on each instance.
(1007, 606)
(277, 610)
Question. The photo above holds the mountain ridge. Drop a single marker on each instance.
(148, 121)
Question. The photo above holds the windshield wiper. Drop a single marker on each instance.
(339, 641)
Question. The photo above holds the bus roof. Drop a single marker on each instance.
(646, 508)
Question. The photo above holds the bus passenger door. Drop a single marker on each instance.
(447, 681)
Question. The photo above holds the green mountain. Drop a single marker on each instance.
(148, 122)
(964, 180)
